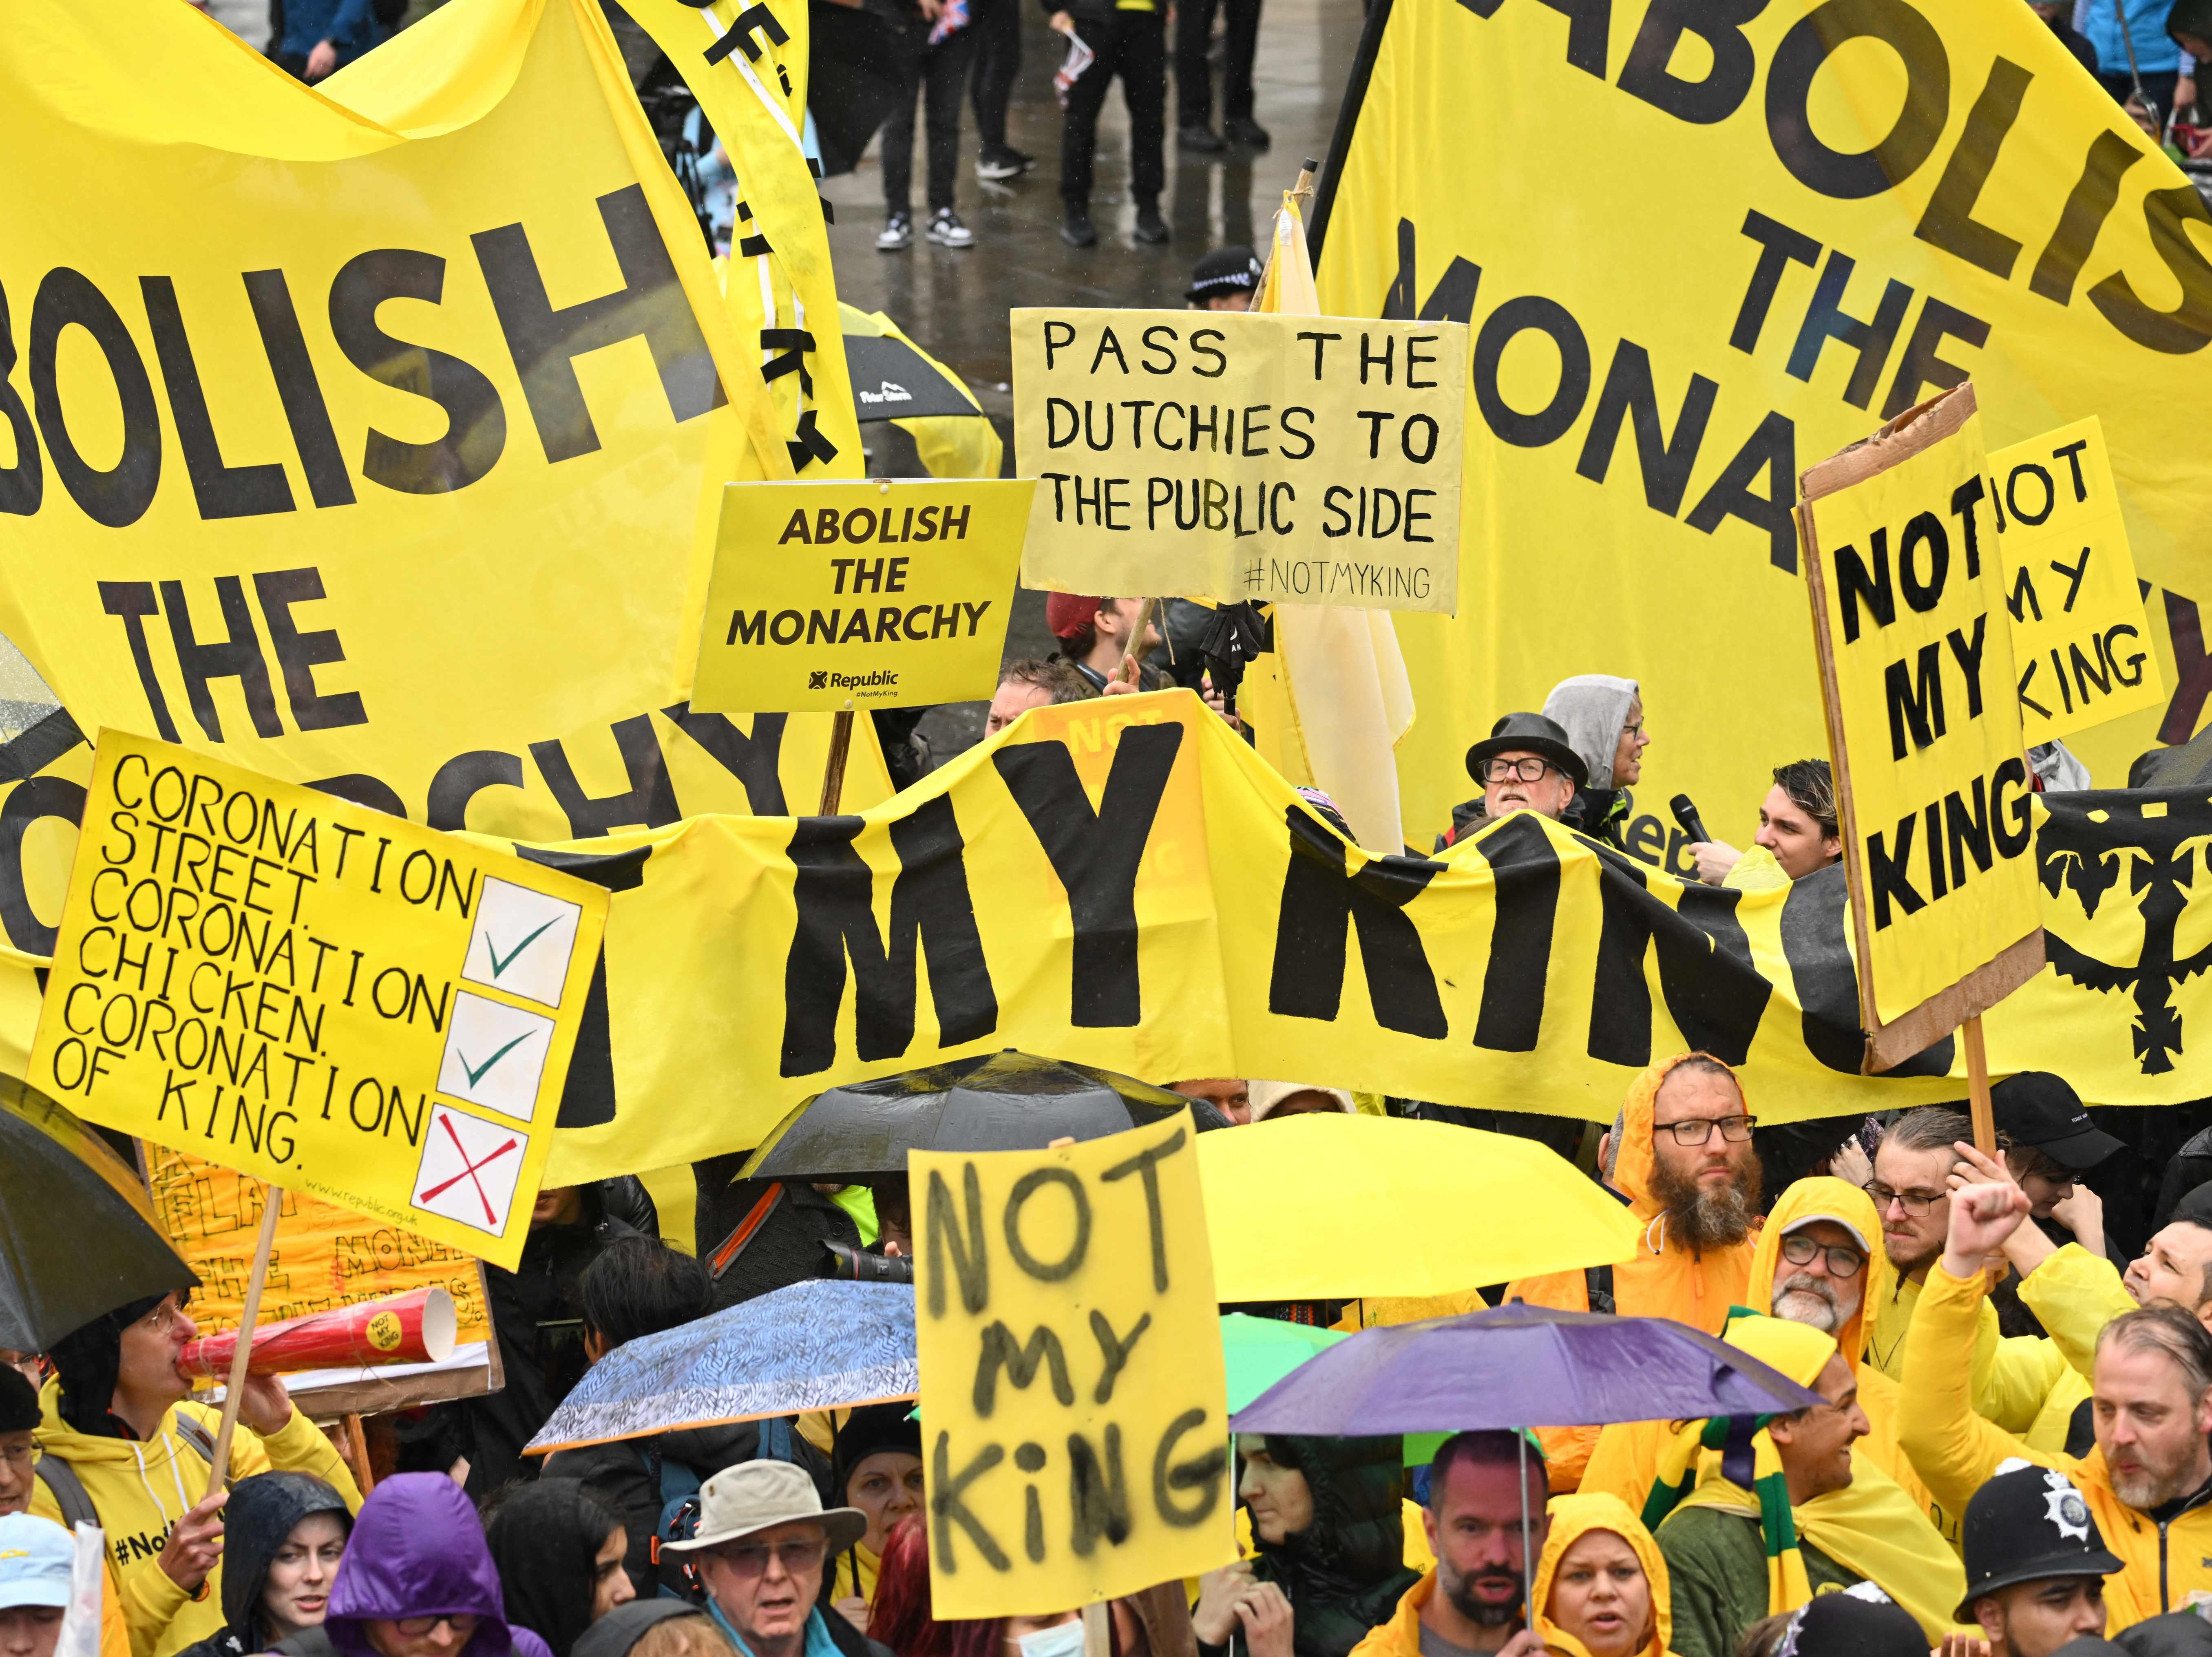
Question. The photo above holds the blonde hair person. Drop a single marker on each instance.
(1602, 1583)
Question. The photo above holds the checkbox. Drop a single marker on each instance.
(468, 1170)
(494, 1055)
(522, 942)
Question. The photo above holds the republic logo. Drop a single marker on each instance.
(2163, 847)
(818, 679)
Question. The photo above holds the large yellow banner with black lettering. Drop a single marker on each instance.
(370, 435)
(1702, 243)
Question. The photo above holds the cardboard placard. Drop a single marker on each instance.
(882, 594)
(2079, 636)
(1073, 1402)
(329, 999)
(1910, 629)
(1237, 456)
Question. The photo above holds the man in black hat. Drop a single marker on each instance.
(2036, 1563)
(1524, 764)
(1227, 279)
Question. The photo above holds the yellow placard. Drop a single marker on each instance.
(1701, 246)
(2079, 638)
(315, 993)
(883, 594)
(1230, 455)
(1916, 655)
(1073, 1407)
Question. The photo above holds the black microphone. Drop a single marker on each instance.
(1686, 814)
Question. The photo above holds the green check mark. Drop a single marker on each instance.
(500, 965)
(476, 1071)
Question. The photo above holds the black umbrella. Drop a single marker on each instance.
(77, 1232)
(859, 65)
(891, 380)
(1007, 1101)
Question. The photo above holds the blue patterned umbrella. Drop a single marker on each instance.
(819, 1345)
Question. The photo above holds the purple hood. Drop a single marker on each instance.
(418, 1550)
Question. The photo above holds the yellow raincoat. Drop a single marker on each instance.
(1574, 1516)
(1666, 1279)
(2022, 1383)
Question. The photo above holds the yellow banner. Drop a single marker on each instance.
(383, 452)
(1301, 459)
(2080, 639)
(876, 594)
(1700, 246)
(316, 994)
(1074, 1403)
(1932, 785)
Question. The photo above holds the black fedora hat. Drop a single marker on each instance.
(1528, 733)
(2026, 1524)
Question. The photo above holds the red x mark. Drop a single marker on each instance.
(469, 1170)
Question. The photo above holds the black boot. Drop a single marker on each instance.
(1246, 131)
(1200, 140)
(1076, 229)
(1151, 228)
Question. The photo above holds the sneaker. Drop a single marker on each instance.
(1201, 140)
(995, 165)
(1076, 230)
(1248, 133)
(897, 234)
(946, 230)
(1150, 226)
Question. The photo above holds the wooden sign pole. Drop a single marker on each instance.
(1130, 667)
(1978, 1087)
(832, 772)
(273, 1200)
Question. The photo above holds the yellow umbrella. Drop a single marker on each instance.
(1336, 1207)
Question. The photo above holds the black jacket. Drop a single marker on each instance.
(262, 1511)
(786, 1246)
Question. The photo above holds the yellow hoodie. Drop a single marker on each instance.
(142, 1489)
(1576, 1516)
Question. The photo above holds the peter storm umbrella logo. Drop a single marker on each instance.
(2163, 850)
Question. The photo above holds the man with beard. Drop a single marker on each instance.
(1681, 1155)
(1473, 1599)
(2148, 1483)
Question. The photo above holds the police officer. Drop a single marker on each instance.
(2036, 1563)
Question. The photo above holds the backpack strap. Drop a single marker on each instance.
(776, 1439)
(1597, 1281)
(725, 1255)
(68, 1491)
(194, 1432)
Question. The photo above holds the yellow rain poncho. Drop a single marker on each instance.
(1576, 1516)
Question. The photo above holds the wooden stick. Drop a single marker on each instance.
(1131, 668)
(1978, 1087)
(833, 773)
(219, 1473)
(1301, 192)
(364, 1475)
(1097, 1634)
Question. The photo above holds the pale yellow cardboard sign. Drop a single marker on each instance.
(871, 594)
(1229, 455)
(1073, 1408)
(310, 992)
(2079, 638)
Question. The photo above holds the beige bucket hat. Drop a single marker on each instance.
(753, 1496)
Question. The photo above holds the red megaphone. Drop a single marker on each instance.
(414, 1328)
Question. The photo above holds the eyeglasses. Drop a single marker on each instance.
(162, 1319)
(1915, 1203)
(751, 1558)
(1528, 769)
(20, 1456)
(1696, 1130)
(1842, 1262)
(462, 1622)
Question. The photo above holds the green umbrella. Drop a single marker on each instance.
(1260, 1351)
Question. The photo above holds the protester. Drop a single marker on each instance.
(2049, 1137)
(1128, 39)
(417, 1581)
(19, 1420)
(1680, 1153)
(1094, 634)
(36, 1560)
(1860, 1622)
(997, 26)
(1603, 718)
(560, 1552)
(2036, 1564)
(284, 1535)
(2149, 1479)
(1482, 1485)
(1274, 1101)
(1601, 1584)
(1328, 1526)
(1193, 70)
(943, 51)
(115, 1418)
(2059, 15)
(654, 1627)
(2141, 52)
(877, 1469)
(316, 38)
(1231, 1095)
(639, 1286)
(1030, 683)
(763, 1537)
(1797, 825)
(1228, 278)
(1524, 764)
(1748, 1536)
(755, 1236)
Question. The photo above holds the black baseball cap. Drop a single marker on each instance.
(1232, 269)
(2040, 1109)
(2027, 1524)
(1529, 733)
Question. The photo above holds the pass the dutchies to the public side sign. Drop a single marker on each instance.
(1073, 1407)
(885, 594)
(1232, 456)
(2081, 640)
(319, 994)
(1915, 653)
